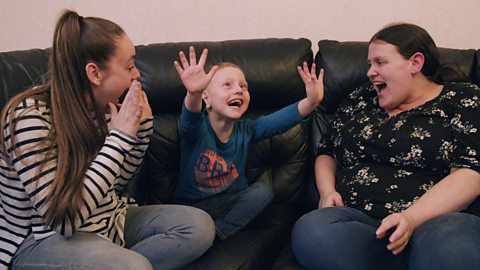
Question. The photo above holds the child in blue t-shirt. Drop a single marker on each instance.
(214, 149)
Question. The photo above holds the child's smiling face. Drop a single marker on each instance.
(227, 94)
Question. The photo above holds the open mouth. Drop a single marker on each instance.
(235, 103)
(380, 86)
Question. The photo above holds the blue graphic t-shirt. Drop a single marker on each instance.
(209, 166)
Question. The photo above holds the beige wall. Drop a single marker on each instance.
(26, 24)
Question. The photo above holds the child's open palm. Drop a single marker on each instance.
(192, 74)
(313, 84)
(314, 88)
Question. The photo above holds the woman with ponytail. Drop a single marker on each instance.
(399, 173)
(68, 150)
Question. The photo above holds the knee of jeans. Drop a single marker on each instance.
(302, 231)
(203, 230)
(133, 262)
(303, 246)
(440, 234)
(315, 224)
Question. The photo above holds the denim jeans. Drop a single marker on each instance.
(232, 211)
(344, 238)
(156, 237)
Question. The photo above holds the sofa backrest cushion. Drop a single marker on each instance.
(19, 70)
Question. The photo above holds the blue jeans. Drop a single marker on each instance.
(156, 237)
(344, 238)
(232, 211)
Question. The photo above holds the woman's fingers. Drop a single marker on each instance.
(113, 109)
(127, 118)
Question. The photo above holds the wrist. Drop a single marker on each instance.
(325, 192)
(305, 107)
(314, 103)
(411, 220)
(195, 94)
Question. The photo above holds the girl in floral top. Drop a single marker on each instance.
(398, 174)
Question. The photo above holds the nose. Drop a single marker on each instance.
(238, 90)
(371, 72)
(135, 73)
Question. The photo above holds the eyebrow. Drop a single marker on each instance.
(132, 58)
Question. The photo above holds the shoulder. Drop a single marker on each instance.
(30, 107)
(463, 88)
(463, 94)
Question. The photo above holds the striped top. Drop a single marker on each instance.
(23, 187)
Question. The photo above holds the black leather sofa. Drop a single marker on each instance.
(285, 161)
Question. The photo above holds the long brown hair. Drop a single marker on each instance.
(78, 128)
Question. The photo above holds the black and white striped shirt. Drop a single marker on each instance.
(23, 187)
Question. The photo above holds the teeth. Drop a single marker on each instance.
(235, 103)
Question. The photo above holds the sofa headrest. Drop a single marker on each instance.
(345, 65)
(19, 70)
(269, 66)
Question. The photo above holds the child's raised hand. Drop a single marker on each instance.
(192, 74)
(313, 84)
(314, 88)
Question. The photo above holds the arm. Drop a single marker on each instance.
(325, 169)
(461, 187)
(134, 158)
(314, 88)
(276, 123)
(194, 78)
(283, 119)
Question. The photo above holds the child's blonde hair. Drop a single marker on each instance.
(223, 65)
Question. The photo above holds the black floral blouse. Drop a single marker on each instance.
(386, 163)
